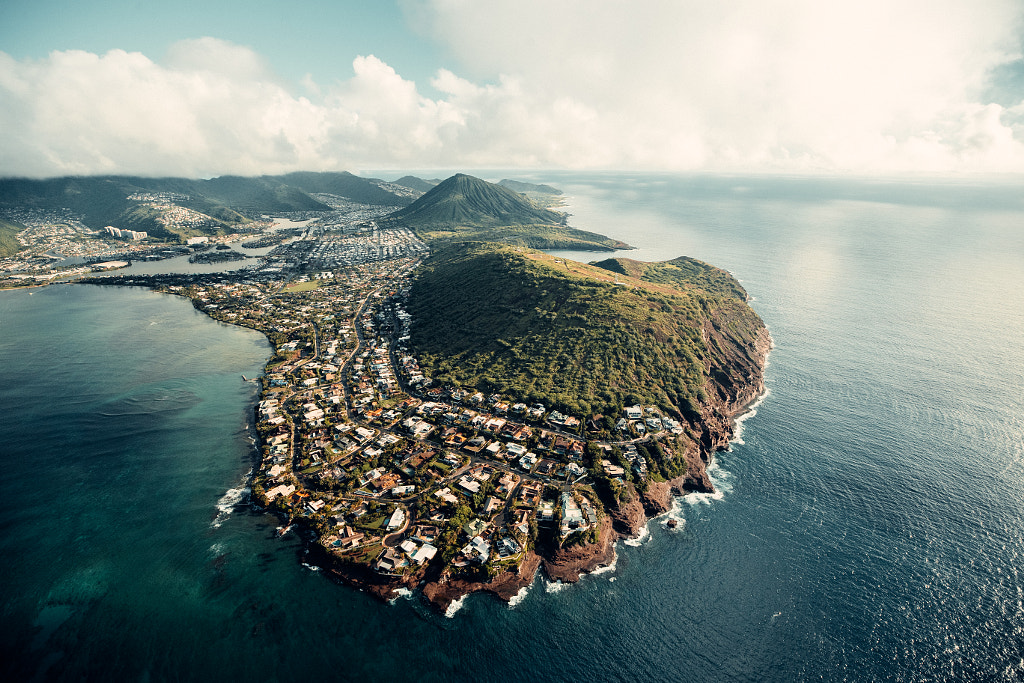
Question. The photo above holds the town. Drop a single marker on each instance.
(388, 469)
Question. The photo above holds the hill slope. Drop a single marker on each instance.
(103, 200)
(414, 183)
(528, 188)
(467, 208)
(523, 324)
(9, 245)
(684, 273)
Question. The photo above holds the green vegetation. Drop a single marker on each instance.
(683, 273)
(523, 324)
(414, 183)
(9, 245)
(527, 188)
(467, 208)
(541, 195)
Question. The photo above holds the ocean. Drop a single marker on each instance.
(867, 525)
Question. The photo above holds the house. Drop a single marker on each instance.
(280, 490)
(425, 553)
(478, 549)
(528, 461)
(633, 412)
(506, 483)
(474, 527)
(390, 562)
(397, 519)
(529, 493)
(469, 484)
(572, 515)
(507, 547)
(612, 470)
(447, 496)
(425, 533)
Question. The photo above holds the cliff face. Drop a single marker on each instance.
(735, 380)
(443, 591)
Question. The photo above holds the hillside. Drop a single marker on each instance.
(467, 208)
(414, 183)
(527, 188)
(8, 238)
(684, 273)
(351, 187)
(564, 334)
(228, 200)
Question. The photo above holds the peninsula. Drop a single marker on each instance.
(450, 409)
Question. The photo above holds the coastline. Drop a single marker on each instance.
(712, 430)
(568, 565)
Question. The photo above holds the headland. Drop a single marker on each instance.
(450, 410)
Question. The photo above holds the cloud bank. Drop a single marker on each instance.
(788, 86)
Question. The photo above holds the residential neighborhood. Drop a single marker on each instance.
(390, 469)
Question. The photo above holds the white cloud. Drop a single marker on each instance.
(790, 85)
(753, 84)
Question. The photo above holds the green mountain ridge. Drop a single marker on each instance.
(414, 183)
(229, 200)
(524, 188)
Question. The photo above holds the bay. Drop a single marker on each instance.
(867, 527)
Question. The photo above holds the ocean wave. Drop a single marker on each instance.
(751, 411)
(644, 535)
(227, 504)
(675, 513)
(608, 568)
(721, 478)
(455, 606)
(518, 597)
(554, 586)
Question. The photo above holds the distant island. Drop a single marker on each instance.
(448, 408)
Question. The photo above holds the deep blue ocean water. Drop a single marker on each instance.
(868, 524)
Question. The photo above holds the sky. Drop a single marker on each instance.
(199, 89)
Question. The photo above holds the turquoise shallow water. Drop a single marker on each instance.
(869, 525)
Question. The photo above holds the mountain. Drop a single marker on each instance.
(414, 183)
(526, 188)
(344, 184)
(228, 200)
(467, 208)
(463, 200)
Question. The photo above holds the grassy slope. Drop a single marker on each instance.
(9, 245)
(563, 333)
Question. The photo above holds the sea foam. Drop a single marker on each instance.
(644, 535)
(518, 597)
(751, 411)
(722, 481)
(227, 503)
(455, 606)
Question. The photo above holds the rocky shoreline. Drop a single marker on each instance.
(626, 521)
